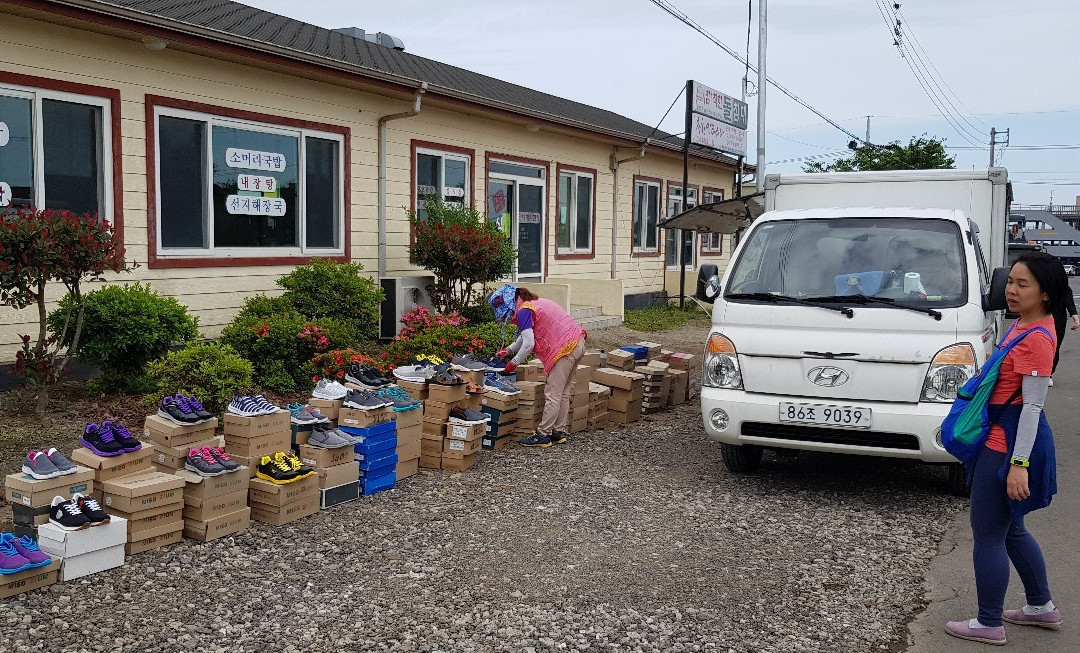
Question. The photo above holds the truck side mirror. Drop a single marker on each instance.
(708, 283)
(994, 299)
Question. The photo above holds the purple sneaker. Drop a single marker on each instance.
(1051, 620)
(11, 562)
(27, 548)
(101, 441)
(120, 433)
(994, 635)
(195, 406)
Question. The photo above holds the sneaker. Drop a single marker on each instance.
(994, 635)
(365, 400)
(268, 408)
(61, 461)
(223, 459)
(468, 363)
(120, 433)
(297, 465)
(495, 364)
(275, 469)
(300, 415)
(11, 561)
(202, 462)
(177, 411)
(536, 441)
(101, 441)
(429, 358)
(327, 438)
(327, 389)
(401, 400)
(500, 384)
(317, 414)
(91, 508)
(460, 415)
(245, 406)
(27, 548)
(196, 407)
(559, 437)
(1051, 620)
(38, 465)
(365, 377)
(67, 515)
(414, 373)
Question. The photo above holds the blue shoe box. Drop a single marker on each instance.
(371, 485)
(371, 431)
(367, 450)
(377, 461)
(640, 353)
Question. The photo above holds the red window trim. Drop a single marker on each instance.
(154, 262)
(569, 256)
(703, 251)
(488, 156)
(105, 93)
(642, 253)
(415, 145)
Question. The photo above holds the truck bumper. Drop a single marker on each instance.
(898, 430)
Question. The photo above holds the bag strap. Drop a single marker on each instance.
(1012, 397)
(1020, 389)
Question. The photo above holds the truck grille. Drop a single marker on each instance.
(831, 436)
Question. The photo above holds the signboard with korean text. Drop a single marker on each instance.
(255, 160)
(714, 104)
(256, 184)
(246, 205)
(707, 132)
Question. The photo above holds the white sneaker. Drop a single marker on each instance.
(1051, 382)
(330, 390)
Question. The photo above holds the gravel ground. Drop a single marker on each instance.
(631, 539)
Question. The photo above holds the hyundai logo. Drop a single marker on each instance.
(830, 377)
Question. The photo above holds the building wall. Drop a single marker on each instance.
(66, 54)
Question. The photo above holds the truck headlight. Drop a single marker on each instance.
(721, 367)
(949, 371)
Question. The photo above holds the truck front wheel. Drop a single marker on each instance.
(958, 481)
(741, 458)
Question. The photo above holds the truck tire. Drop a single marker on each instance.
(741, 459)
(958, 481)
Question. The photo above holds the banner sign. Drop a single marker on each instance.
(713, 103)
(707, 132)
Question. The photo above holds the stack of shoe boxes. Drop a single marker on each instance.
(578, 419)
(677, 394)
(153, 505)
(31, 579)
(652, 349)
(409, 427)
(85, 551)
(339, 476)
(620, 359)
(691, 364)
(247, 439)
(215, 506)
(110, 467)
(503, 411)
(31, 498)
(173, 441)
(598, 406)
(656, 386)
(284, 503)
(440, 401)
(461, 445)
(531, 372)
(375, 455)
(627, 392)
(530, 407)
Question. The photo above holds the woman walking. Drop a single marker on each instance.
(548, 331)
(1015, 472)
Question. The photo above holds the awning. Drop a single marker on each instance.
(723, 217)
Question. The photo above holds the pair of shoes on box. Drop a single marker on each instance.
(77, 513)
(47, 464)
(365, 400)
(366, 376)
(329, 389)
(109, 439)
(400, 400)
(306, 414)
(183, 410)
(20, 553)
(325, 436)
(251, 405)
(460, 415)
(282, 468)
(210, 461)
(472, 363)
(500, 384)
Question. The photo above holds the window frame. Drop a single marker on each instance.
(214, 115)
(36, 89)
(575, 252)
(706, 248)
(644, 251)
(692, 263)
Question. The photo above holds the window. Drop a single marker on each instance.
(55, 151)
(712, 243)
(575, 211)
(228, 187)
(675, 207)
(443, 176)
(646, 216)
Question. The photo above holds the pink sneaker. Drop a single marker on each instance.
(963, 630)
(1051, 620)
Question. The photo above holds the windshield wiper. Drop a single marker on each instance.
(769, 297)
(859, 298)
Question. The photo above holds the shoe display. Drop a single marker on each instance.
(536, 440)
(203, 463)
(460, 415)
(251, 406)
(27, 548)
(366, 376)
(327, 389)
(223, 459)
(61, 461)
(559, 437)
(365, 400)
(495, 364)
(177, 411)
(268, 407)
(196, 407)
(38, 465)
(468, 363)
(67, 515)
(300, 415)
(401, 400)
(101, 441)
(327, 438)
(297, 465)
(91, 508)
(275, 469)
(446, 377)
(414, 373)
(317, 414)
(11, 561)
(500, 384)
(120, 433)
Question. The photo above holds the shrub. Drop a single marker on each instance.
(266, 305)
(421, 319)
(332, 364)
(324, 288)
(280, 346)
(212, 372)
(124, 328)
(480, 312)
(445, 341)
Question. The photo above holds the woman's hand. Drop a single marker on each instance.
(1075, 322)
(1016, 484)
(502, 354)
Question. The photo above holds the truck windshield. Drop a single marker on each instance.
(914, 262)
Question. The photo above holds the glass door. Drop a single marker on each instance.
(515, 203)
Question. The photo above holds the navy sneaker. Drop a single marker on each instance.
(495, 364)
(122, 435)
(101, 441)
(177, 411)
(559, 437)
(536, 441)
(499, 384)
(196, 407)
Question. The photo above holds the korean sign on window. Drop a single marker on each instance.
(255, 160)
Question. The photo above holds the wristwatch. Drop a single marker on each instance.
(1019, 462)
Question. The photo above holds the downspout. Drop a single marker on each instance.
(615, 163)
(382, 171)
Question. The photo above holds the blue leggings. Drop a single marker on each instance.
(1000, 538)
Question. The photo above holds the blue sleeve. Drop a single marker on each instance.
(524, 319)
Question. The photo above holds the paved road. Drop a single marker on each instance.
(950, 579)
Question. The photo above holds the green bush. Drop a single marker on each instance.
(280, 346)
(213, 373)
(479, 313)
(124, 328)
(445, 341)
(266, 305)
(327, 289)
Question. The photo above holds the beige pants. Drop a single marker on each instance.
(557, 392)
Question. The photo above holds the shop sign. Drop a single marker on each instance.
(256, 183)
(454, 191)
(528, 218)
(5, 133)
(243, 205)
(255, 160)
(5, 194)
(714, 134)
(713, 103)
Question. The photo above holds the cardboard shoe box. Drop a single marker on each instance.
(318, 457)
(531, 372)
(410, 434)
(531, 390)
(459, 464)
(332, 496)
(289, 512)
(416, 389)
(356, 418)
(433, 428)
(110, 467)
(30, 579)
(439, 411)
(500, 401)
(338, 475)
(174, 457)
(218, 527)
(431, 461)
(205, 509)
(460, 448)
(466, 431)
(407, 468)
(170, 434)
(206, 487)
(27, 491)
(409, 450)
(155, 538)
(151, 518)
(257, 426)
(134, 493)
(328, 407)
(618, 378)
(86, 551)
(446, 394)
(408, 418)
(271, 495)
(259, 446)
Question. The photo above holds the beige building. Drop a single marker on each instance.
(229, 144)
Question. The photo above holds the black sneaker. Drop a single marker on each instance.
(275, 469)
(364, 376)
(195, 406)
(223, 459)
(101, 441)
(177, 412)
(559, 437)
(122, 435)
(364, 400)
(92, 509)
(373, 373)
(460, 415)
(67, 515)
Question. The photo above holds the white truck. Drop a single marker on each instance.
(852, 311)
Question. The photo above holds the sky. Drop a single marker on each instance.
(996, 63)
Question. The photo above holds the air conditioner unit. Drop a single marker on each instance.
(403, 294)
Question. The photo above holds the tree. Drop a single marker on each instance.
(921, 153)
(462, 248)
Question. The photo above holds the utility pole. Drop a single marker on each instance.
(993, 141)
(867, 139)
(759, 173)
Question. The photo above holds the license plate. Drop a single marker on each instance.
(825, 415)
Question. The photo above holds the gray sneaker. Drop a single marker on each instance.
(468, 363)
(61, 461)
(326, 438)
(38, 465)
(364, 400)
(202, 463)
(317, 414)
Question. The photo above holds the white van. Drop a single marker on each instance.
(846, 324)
